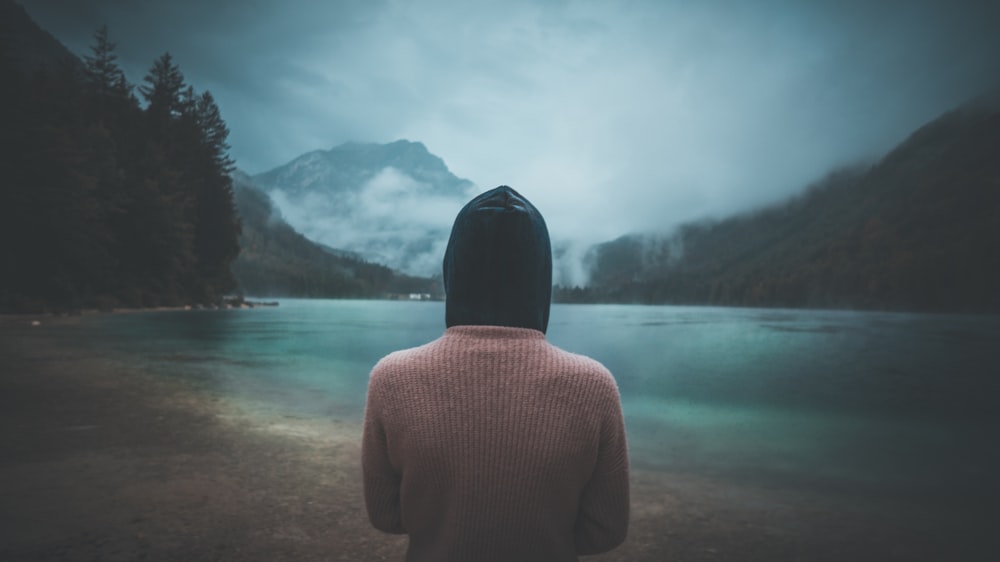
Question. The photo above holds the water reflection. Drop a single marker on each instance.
(843, 400)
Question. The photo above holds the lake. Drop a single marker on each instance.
(901, 405)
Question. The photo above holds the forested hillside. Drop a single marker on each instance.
(919, 230)
(275, 260)
(108, 201)
(122, 196)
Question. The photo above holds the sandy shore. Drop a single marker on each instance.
(102, 461)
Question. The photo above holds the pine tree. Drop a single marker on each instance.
(106, 203)
(214, 132)
(101, 69)
(159, 213)
(217, 223)
(164, 89)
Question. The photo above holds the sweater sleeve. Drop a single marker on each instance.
(602, 520)
(381, 482)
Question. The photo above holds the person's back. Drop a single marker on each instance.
(490, 443)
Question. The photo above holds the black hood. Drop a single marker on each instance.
(498, 265)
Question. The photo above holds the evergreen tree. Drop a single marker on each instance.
(57, 237)
(160, 254)
(101, 69)
(214, 133)
(163, 89)
(107, 204)
(217, 223)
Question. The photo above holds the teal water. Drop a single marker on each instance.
(847, 402)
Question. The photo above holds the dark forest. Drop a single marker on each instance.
(107, 203)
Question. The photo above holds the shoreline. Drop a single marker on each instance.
(230, 303)
(105, 461)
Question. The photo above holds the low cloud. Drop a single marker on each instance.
(611, 117)
(391, 219)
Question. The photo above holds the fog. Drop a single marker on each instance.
(390, 219)
(612, 117)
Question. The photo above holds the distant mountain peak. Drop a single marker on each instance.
(347, 166)
(391, 203)
(398, 143)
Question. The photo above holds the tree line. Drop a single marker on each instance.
(107, 200)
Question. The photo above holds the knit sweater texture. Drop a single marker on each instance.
(490, 444)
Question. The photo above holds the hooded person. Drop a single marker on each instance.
(489, 443)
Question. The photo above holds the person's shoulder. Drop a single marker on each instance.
(401, 361)
(583, 366)
(578, 360)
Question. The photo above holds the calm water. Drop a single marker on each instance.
(844, 401)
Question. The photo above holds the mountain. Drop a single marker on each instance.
(31, 48)
(918, 230)
(352, 164)
(275, 260)
(388, 203)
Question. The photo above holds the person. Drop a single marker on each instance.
(489, 443)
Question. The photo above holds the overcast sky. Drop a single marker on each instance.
(610, 116)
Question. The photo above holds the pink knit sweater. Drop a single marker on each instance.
(489, 443)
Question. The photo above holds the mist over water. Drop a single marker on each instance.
(840, 401)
